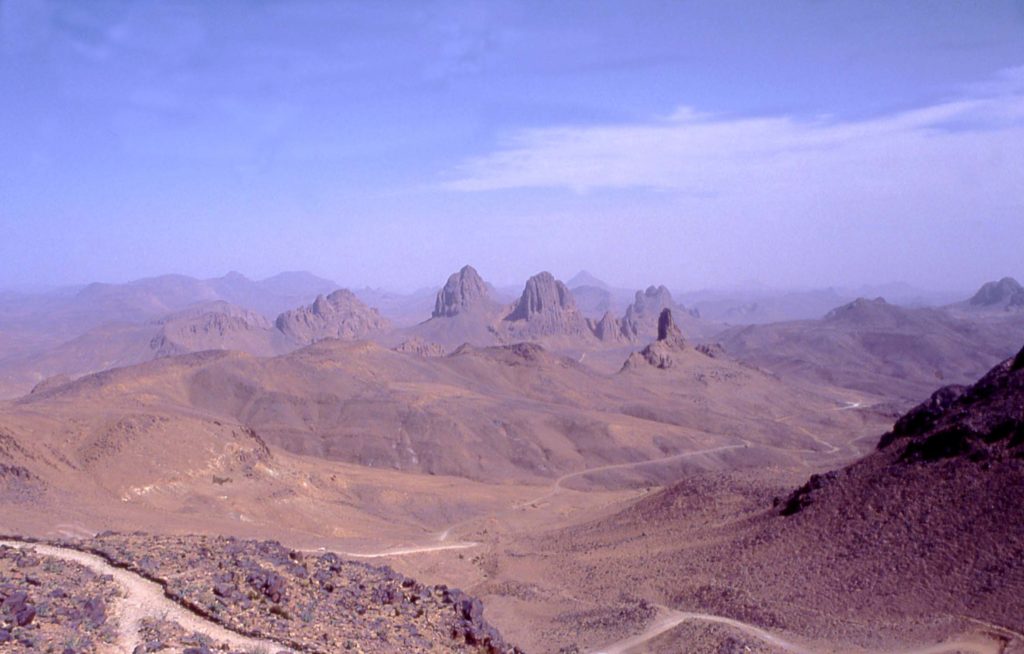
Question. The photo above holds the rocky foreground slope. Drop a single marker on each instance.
(315, 603)
(929, 526)
(51, 606)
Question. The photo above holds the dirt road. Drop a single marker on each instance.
(146, 599)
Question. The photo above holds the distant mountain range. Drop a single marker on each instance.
(869, 346)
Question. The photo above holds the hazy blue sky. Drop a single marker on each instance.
(692, 143)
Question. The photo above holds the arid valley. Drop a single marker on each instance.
(592, 483)
(511, 327)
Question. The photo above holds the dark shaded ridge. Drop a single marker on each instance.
(973, 424)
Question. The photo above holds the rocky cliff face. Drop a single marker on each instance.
(464, 292)
(668, 331)
(641, 320)
(546, 308)
(338, 315)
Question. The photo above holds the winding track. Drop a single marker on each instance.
(402, 551)
(669, 619)
(145, 599)
(439, 545)
(558, 485)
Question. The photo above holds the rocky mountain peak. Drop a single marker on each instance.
(584, 278)
(338, 315)
(464, 291)
(662, 352)
(215, 325)
(863, 309)
(641, 320)
(1007, 292)
(543, 295)
(546, 308)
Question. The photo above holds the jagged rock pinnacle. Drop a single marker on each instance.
(463, 292)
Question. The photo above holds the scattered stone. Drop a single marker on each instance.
(313, 603)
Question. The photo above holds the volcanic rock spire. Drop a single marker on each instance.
(660, 353)
(546, 308)
(465, 291)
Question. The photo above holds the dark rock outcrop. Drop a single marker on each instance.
(641, 319)
(464, 312)
(661, 353)
(339, 315)
(979, 425)
(982, 422)
(465, 291)
(667, 329)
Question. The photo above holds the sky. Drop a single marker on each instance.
(791, 144)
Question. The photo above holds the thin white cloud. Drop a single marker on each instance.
(971, 145)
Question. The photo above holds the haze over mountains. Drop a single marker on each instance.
(530, 435)
(105, 325)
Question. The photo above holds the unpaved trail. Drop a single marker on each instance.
(558, 485)
(999, 629)
(967, 643)
(832, 448)
(398, 551)
(401, 551)
(146, 599)
(668, 619)
(438, 544)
